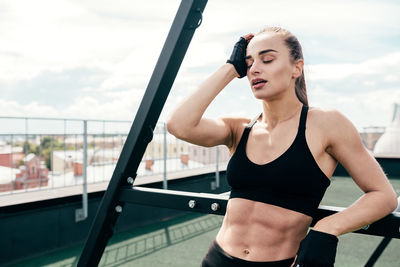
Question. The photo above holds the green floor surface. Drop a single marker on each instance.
(183, 241)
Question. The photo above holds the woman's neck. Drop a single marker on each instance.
(277, 111)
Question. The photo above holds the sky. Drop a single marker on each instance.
(93, 59)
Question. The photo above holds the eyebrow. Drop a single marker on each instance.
(262, 52)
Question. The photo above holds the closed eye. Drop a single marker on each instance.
(264, 61)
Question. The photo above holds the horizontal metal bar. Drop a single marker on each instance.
(65, 134)
(174, 199)
(60, 119)
(203, 203)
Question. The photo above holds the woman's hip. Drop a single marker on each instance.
(217, 257)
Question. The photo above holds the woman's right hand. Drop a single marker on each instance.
(238, 55)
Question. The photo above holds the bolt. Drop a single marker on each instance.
(215, 206)
(192, 204)
(118, 209)
(130, 180)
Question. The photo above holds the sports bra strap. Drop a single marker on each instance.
(303, 117)
(253, 121)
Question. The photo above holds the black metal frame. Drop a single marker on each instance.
(216, 204)
(187, 19)
(120, 190)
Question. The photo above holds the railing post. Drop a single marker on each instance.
(52, 162)
(40, 160)
(13, 176)
(82, 214)
(217, 167)
(26, 154)
(165, 182)
(65, 148)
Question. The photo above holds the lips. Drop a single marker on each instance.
(258, 83)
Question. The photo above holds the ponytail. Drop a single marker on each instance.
(300, 89)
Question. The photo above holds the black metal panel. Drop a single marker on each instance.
(186, 21)
(387, 226)
(174, 199)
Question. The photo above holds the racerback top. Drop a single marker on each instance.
(293, 181)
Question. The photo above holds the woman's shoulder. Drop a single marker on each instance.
(236, 122)
(236, 125)
(331, 121)
(325, 116)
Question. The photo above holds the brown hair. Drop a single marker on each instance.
(296, 53)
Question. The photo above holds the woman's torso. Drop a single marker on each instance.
(258, 231)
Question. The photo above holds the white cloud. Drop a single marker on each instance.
(386, 66)
(117, 106)
(58, 35)
(123, 40)
(312, 16)
(362, 108)
(33, 109)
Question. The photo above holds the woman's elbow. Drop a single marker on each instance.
(395, 203)
(173, 127)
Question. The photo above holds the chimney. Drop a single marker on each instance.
(185, 159)
(78, 168)
(149, 164)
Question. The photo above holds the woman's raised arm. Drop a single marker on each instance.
(186, 121)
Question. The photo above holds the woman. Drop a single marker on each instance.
(281, 161)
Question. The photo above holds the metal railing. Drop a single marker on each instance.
(46, 153)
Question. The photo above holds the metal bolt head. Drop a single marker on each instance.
(214, 206)
(192, 203)
(130, 180)
(118, 209)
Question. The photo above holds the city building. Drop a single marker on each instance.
(32, 174)
(388, 144)
(10, 156)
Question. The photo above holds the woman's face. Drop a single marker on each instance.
(270, 71)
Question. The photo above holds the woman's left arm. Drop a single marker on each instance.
(379, 200)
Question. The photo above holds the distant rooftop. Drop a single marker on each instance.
(388, 144)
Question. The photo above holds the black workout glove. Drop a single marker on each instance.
(237, 57)
(317, 249)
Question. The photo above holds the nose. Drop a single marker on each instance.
(255, 67)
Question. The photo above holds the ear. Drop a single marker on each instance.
(298, 68)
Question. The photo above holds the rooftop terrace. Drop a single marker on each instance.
(184, 240)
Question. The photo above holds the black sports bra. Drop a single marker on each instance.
(293, 181)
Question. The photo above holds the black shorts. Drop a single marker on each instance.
(217, 257)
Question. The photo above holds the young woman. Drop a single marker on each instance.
(281, 161)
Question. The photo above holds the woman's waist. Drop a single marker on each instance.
(251, 256)
(256, 235)
(268, 232)
(253, 245)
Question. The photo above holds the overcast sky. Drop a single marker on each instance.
(93, 59)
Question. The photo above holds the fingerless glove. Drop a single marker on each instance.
(317, 249)
(237, 57)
